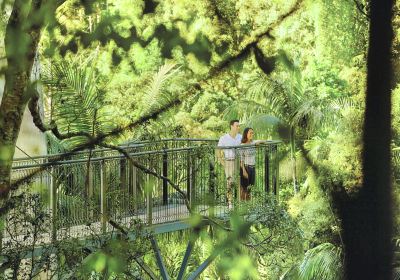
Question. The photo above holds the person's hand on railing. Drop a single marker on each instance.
(257, 142)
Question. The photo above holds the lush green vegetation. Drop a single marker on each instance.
(117, 70)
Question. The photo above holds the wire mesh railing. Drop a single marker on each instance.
(159, 183)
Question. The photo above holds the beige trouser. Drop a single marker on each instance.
(230, 166)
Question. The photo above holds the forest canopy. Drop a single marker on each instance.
(101, 74)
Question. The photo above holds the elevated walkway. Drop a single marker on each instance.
(153, 186)
(160, 182)
(157, 184)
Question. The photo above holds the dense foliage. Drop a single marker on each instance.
(292, 70)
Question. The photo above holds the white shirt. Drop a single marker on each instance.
(226, 141)
(248, 154)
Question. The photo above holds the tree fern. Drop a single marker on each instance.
(76, 100)
(322, 262)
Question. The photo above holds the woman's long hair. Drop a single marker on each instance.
(245, 132)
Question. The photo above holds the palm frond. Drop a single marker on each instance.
(308, 115)
(292, 273)
(396, 156)
(263, 122)
(322, 262)
(316, 113)
(76, 99)
(344, 102)
(268, 125)
(243, 109)
(154, 96)
(54, 146)
(314, 146)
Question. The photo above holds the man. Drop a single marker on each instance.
(227, 156)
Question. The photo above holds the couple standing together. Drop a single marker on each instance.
(247, 155)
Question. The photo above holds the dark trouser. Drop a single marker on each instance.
(245, 183)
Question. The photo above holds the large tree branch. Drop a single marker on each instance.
(247, 44)
(37, 120)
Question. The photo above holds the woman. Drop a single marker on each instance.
(247, 164)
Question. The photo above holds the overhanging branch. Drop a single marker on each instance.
(37, 120)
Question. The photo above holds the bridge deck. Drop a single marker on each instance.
(160, 221)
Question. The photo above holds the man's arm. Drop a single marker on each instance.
(220, 152)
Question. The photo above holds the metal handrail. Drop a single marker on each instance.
(133, 144)
(120, 156)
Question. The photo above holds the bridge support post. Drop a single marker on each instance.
(103, 201)
(202, 267)
(186, 257)
(160, 262)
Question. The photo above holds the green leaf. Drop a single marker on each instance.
(283, 57)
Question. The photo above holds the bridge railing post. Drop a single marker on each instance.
(237, 175)
(122, 173)
(103, 193)
(90, 192)
(275, 179)
(149, 201)
(53, 205)
(133, 186)
(191, 177)
(267, 169)
(212, 185)
(164, 181)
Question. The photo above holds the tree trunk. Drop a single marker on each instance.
(17, 79)
(12, 108)
(367, 218)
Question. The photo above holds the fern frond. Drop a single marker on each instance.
(76, 99)
(322, 262)
(154, 96)
(243, 109)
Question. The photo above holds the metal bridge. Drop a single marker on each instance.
(158, 184)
